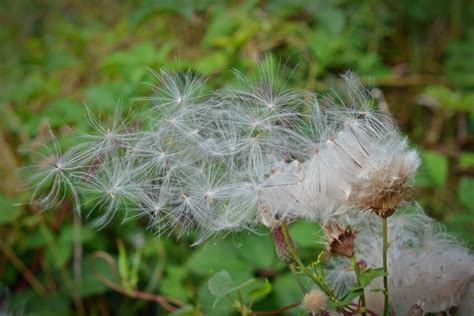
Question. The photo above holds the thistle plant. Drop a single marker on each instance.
(258, 153)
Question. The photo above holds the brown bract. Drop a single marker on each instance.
(341, 240)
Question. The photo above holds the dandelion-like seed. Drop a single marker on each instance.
(258, 153)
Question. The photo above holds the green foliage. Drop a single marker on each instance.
(368, 275)
(221, 285)
(9, 213)
(433, 171)
(58, 56)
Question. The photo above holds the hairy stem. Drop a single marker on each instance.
(296, 258)
(362, 297)
(385, 266)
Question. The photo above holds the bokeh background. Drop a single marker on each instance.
(56, 56)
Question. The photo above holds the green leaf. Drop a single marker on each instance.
(258, 251)
(206, 300)
(433, 171)
(123, 267)
(86, 233)
(306, 234)
(461, 225)
(348, 298)
(262, 291)
(466, 192)
(8, 212)
(369, 275)
(466, 160)
(187, 310)
(172, 284)
(331, 19)
(286, 290)
(221, 285)
(92, 269)
(219, 256)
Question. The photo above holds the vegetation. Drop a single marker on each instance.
(58, 56)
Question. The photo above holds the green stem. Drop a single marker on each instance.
(385, 266)
(362, 297)
(299, 262)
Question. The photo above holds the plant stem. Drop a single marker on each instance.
(362, 297)
(69, 284)
(385, 266)
(299, 262)
(23, 269)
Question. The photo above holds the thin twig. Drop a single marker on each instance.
(168, 303)
(276, 311)
(71, 287)
(20, 266)
(164, 302)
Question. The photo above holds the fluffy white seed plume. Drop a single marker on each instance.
(106, 137)
(369, 153)
(466, 305)
(255, 152)
(110, 188)
(425, 264)
(56, 171)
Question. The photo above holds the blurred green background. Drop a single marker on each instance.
(56, 56)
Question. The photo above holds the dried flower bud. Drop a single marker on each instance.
(416, 310)
(314, 302)
(341, 240)
(362, 265)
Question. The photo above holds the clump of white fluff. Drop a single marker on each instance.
(234, 158)
(247, 155)
(425, 264)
